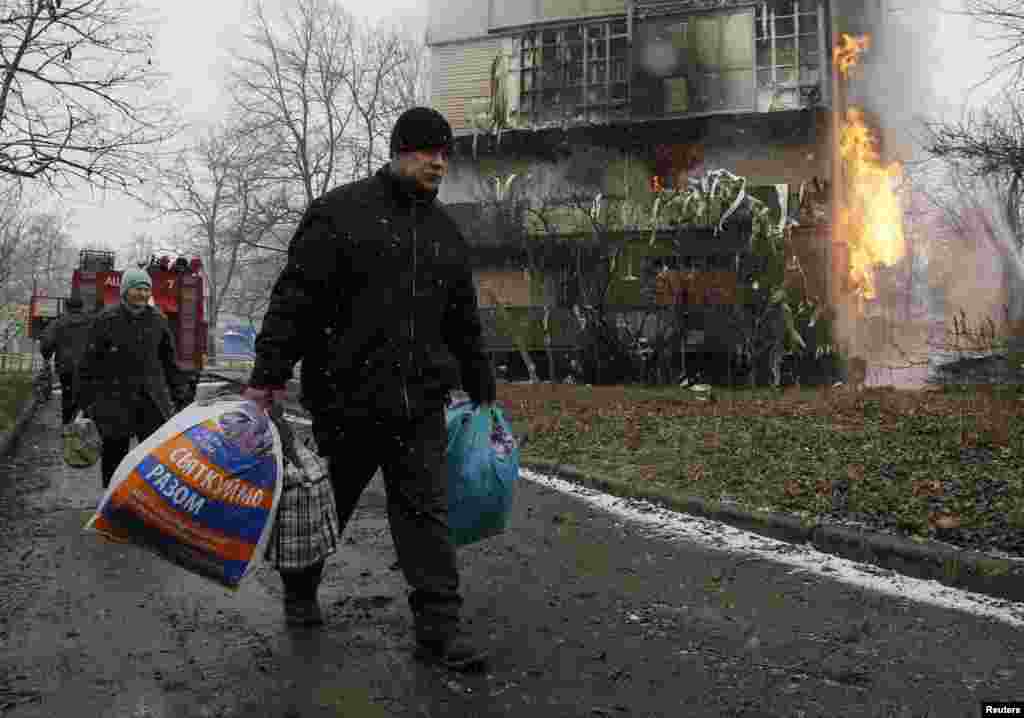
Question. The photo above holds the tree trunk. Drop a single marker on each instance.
(775, 366)
(530, 366)
(211, 345)
(211, 330)
(547, 344)
(682, 345)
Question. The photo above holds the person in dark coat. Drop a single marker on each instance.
(129, 381)
(378, 302)
(66, 338)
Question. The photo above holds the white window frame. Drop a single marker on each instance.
(604, 107)
(805, 24)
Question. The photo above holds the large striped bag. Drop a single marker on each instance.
(306, 524)
(202, 491)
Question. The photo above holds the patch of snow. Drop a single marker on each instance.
(667, 524)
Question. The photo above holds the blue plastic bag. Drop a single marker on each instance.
(483, 465)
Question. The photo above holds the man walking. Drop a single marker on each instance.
(130, 383)
(66, 337)
(378, 302)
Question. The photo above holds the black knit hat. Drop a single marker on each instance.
(420, 128)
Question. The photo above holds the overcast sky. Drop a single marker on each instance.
(194, 38)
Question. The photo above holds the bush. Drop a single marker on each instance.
(15, 391)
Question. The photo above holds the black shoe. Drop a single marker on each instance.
(455, 652)
(302, 612)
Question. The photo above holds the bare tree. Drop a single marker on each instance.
(319, 91)
(249, 296)
(290, 87)
(143, 247)
(388, 76)
(213, 189)
(984, 154)
(49, 253)
(36, 256)
(13, 225)
(409, 84)
(988, 144)
(1005, 20)
(76, 89)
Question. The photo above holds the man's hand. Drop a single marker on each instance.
(265, 396)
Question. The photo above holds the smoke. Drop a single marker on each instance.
(928, 64)
(996, 243)
(907, 40)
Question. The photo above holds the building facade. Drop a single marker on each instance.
(571, 117)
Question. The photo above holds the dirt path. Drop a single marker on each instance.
(587, 616)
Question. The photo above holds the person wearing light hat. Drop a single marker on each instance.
(136, 289)
(129, 381)
(377, 301)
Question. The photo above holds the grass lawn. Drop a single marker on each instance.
(15, 390)
(927, 459)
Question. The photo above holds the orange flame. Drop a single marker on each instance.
(847, 53)
(871, 222)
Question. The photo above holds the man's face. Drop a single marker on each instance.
(138, 296)
(427, 167)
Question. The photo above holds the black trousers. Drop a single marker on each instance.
(67, 397)
(147, 420)
(411, 457)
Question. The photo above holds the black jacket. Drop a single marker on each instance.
(66, 337)
(127, 360)
(378, 302)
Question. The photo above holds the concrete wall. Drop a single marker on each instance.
(510, 286)
(454, 20)
(460, 79)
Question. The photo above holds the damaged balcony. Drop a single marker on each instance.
(663, 62)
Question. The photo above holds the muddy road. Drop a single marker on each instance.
(586, 615)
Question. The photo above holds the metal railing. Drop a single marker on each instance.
(232, 361)
(14, 362)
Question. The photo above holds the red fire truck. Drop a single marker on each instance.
(179, 291)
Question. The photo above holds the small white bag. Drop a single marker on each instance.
(82, 443)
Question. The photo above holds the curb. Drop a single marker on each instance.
(930, 560)
(9, 439)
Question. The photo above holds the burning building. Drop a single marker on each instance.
(573, 116)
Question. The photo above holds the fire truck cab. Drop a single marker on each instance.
(179, 292)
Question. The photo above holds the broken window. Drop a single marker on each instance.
(578, 72)
(789, 54)
(694, 64)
